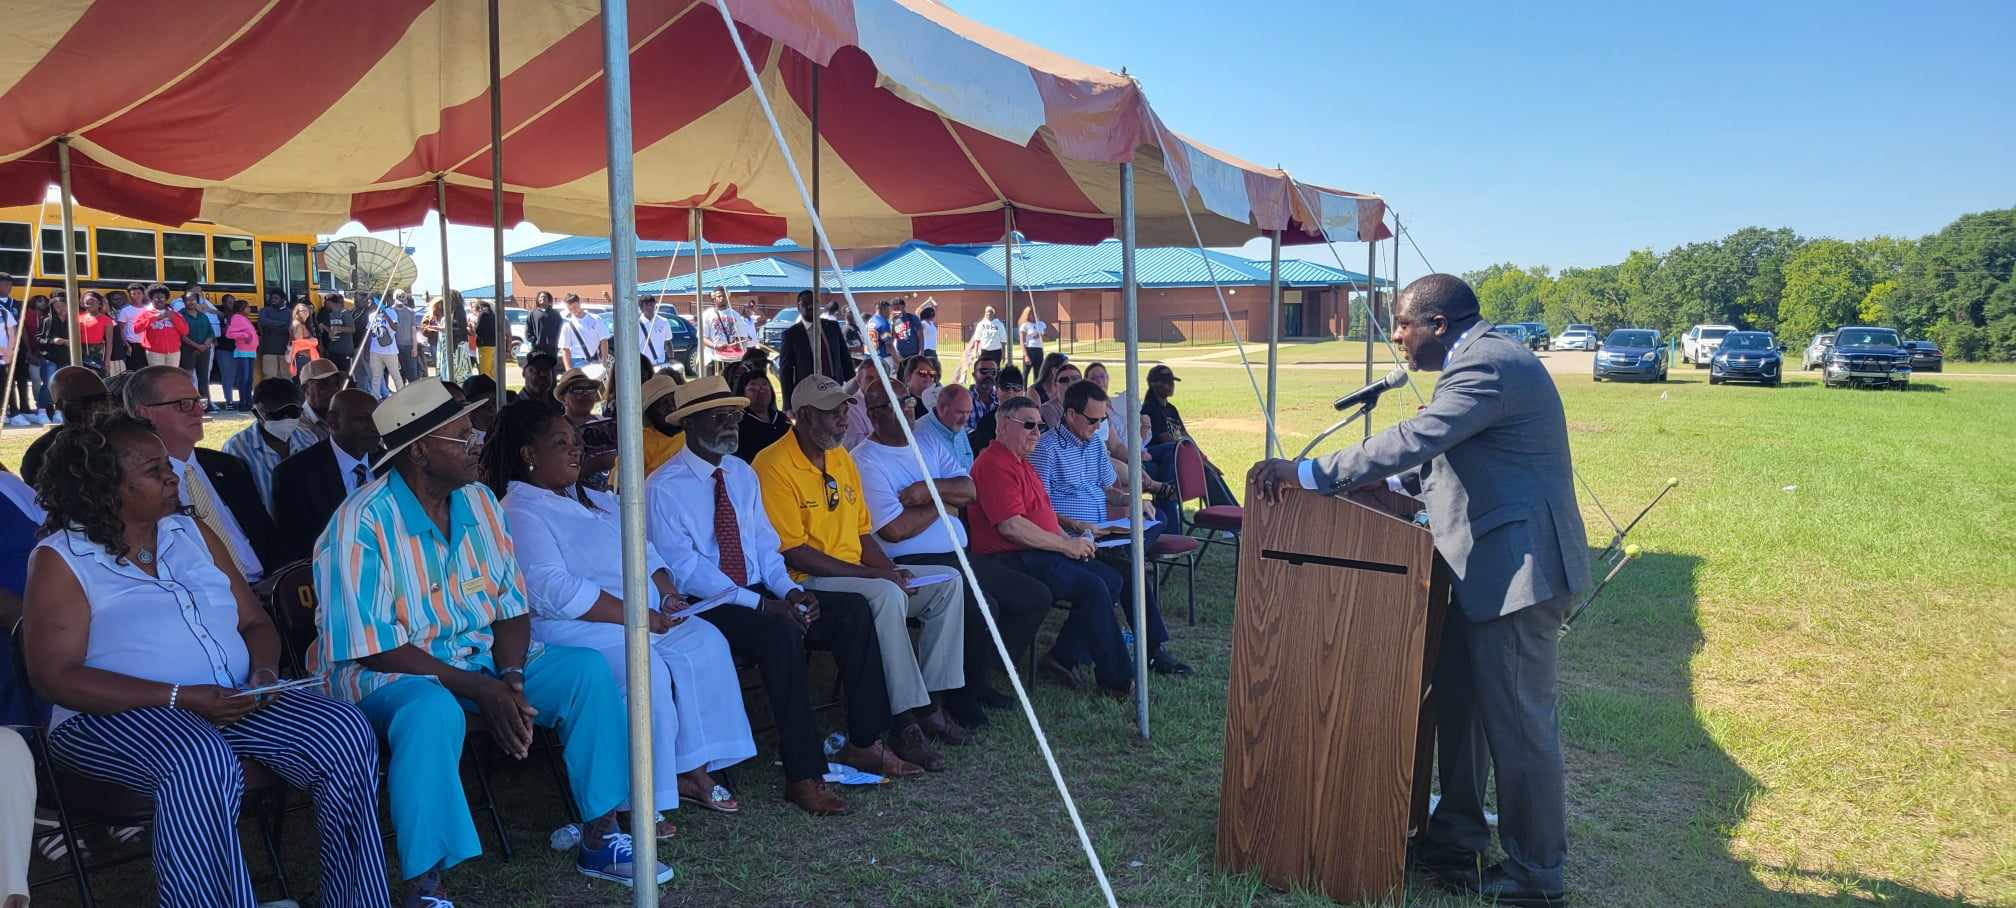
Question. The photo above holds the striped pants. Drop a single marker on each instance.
(319, 745)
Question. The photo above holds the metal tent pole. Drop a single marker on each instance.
(1137, 547)
(446, 351)
(630, 446)
(499, 320)
(1008, 274)
(1273, 336)
(1371, 306)
(815, 330)
(697, 230)
(69, 254)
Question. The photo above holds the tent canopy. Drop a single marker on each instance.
(291, 115)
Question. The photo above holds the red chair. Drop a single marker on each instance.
(1225, 519)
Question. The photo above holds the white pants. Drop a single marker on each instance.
(164, 359)
(697, 719)
(939, 660)
(379, 373)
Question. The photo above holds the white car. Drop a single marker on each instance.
(1816, 352)
(1698, 345)
(1576, 339)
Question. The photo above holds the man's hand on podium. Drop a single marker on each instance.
(1271, 476)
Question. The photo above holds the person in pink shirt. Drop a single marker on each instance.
(238, 349)
(161, 329)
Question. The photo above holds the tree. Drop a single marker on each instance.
(1825, 283)
(1879, 305)
(1513, 295)
(1591, 295)
(1758, 257)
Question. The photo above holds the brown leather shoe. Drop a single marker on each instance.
(877, 759)
(1058, 672)
(941, 727)
(813, 797)
(908, 742)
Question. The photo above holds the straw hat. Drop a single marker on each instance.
(710, 393)
(317, 369)
(655, 389)
(574, 375)
(412, 412)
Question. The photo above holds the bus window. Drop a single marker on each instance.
(127, 255)
(14, 248)
(231, 261)
(184, 258)
(52, 262)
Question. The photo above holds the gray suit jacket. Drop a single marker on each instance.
(1489, 457)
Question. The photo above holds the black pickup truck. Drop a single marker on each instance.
(1867, 356)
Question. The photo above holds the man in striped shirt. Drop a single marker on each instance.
(1071, 460)
(275, 434)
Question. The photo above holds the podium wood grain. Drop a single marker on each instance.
(1325, 697)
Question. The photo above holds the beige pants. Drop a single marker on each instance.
(164, 359)
(17, 813)
(273, 366)
(939, 661)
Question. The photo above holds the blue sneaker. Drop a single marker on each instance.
(611, 861)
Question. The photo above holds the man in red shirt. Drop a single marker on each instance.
(162, 329)
(1010, 521)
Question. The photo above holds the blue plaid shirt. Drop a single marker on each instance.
(1075, 473)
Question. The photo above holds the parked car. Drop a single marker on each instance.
(772, 331)
(1631, 353)
(685, 338)
(1536, 336)
(1513, 330)
(1816, 351)
(1577, 337)
(1867, 356)
(1925, 356)
(1747, 356)
(1698, 345)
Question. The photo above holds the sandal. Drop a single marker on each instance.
(664, 828)
(719, 799)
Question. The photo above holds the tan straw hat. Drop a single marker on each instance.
(710, 393)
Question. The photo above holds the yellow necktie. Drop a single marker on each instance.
(206, 512)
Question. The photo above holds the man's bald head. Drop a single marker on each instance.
(1444, 295)
(350, 423)
(78, 392)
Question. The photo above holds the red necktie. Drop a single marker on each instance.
(728, 533)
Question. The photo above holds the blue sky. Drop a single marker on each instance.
(1566, 134)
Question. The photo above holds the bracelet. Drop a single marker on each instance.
(174, 692)
(520, 672)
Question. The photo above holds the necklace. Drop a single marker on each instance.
(144, 556)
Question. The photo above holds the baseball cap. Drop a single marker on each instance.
(319, 368)
(821, 392)
(1161, 372)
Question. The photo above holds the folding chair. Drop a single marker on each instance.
(1228, 519)
(76, 798)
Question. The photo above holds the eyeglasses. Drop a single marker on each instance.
(928, 374)
(583, 389)
(469, 445)
(832, 491)
(181, 404)
(1011, 388)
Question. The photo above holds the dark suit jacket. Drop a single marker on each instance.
(233, 481)
(307, 490)
(794, 362)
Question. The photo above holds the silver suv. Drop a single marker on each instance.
(1816, 352)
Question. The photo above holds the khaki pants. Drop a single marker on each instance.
(272, 365)
(939, 660)
(164, 359)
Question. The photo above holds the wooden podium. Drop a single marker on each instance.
(1338, 610)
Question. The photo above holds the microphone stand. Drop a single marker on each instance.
(1364, 411)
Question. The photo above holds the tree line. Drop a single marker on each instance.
(1956, 287)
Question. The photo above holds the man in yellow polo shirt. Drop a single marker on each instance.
(662, 437)
(812, 495)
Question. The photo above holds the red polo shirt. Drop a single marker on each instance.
(162, 331)
(1007, 487)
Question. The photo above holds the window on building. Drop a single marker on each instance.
(185, 258)
(231, 261)
(52, 262)
(127, 255)
(14, 250)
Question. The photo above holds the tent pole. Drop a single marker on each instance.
(445, 351)
(499, 320)
(630, 445)
(815, 331)
(69, 254)
(1273, 335)
(1371, 306)
(1008, 273)
(698, 231)
(1137, 571)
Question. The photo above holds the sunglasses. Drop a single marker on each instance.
(290, 411)
(1093, 420)
(832, 491)
(583, 389)
(1028, 425)
(1012, 387)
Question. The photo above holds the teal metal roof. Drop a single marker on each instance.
(915, 266)
(596, 248)
(486, 292)
(764, 275)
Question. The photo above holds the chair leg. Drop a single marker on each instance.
(1192, 591)
(559, 771)
(482, 766)
(268, 820)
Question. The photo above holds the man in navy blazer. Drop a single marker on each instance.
(1488, 456)
(311, 484)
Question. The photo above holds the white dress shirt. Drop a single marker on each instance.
(347, 465)
(234, 535)
(568, 553)
(681, 528)
(885, 472)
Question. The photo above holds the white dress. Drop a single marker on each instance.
(570, 555)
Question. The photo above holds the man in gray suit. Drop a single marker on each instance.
(1489, 457)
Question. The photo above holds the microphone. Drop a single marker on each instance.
(1369, 394)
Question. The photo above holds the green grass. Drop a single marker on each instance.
(1798, 696)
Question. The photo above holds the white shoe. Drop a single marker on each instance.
(37, 419)
(18, 420)
(56, 420)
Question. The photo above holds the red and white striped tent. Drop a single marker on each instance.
(300, 115)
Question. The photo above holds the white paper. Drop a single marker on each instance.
(703, 605)
(279, 687)
(1121, 523)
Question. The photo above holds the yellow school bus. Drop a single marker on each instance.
(114, 251)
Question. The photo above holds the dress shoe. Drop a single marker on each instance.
(943, 728)
(1162, 662)
(908, 743)
(1453, 866)
(965, 710)
(993, 699)
(1498, 889)
(1118, 693)
(1060, 673)
(877, 758)
(813, 797)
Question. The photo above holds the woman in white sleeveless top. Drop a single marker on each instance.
(142, 634)
(570, 550)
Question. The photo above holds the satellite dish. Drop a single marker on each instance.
(367, 264)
